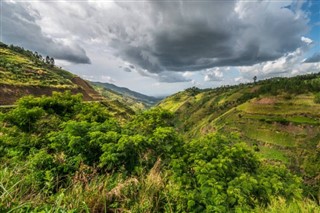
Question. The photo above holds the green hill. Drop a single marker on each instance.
(279, 118)
(23, 72)
(61, 154)
(61, 146)
(134, 99)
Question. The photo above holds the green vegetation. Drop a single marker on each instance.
(244, 148)
(109, 94)
(136, 100)
(279, 118)
(280, 206)
(317, 98)
(23, 67)
(60, 154)
(23, 72)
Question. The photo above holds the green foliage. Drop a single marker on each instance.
(280, 205)
(24, 118)
(317, 98)
(62, 104)
(148, 121)
(296, 85)
(55, 137)
(193, 91)
(23, 67)
(279, 115)
(60, 148)
(216, 175)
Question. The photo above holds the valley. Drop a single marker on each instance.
(68, 145)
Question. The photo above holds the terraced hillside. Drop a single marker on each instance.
(279, 118)
(23, 72)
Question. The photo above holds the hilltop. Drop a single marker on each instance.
(23, 72)
(279, 118)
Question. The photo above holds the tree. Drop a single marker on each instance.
(40, 57)
(255, 79)
(48, 59)
(52, 61)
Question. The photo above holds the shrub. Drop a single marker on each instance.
(217, 175)
(63, 144)
(317, 98)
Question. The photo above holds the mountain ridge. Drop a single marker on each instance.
(145, 99)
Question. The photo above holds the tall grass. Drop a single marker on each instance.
(280, 205)
(86, 193)
(14, 192)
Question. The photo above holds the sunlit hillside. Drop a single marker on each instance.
(279, 118)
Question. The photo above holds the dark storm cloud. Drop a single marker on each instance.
(19, 27)
(313, 59)
(165, 76)
(159, 39)
(191, 36)
(171, 77)
(126, 69)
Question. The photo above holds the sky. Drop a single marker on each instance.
(162, 47)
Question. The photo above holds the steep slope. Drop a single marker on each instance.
(279, 118)
(23, 72)
(121, 99)
(138, 100)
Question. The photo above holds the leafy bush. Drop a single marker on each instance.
(63, 145)
(317, 98)
(216, 175)
(24, 118)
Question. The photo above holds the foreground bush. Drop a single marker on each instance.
(217, 175)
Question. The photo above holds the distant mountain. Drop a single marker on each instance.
(147, 101)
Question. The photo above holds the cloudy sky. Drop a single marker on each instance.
(161, 47)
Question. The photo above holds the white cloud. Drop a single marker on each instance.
(288, 65)
(106, 78)
(215, 74)
(306, 40)
(188, 74)
(241, 80)
(180, 42)
(195, 83)
(160, 36)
